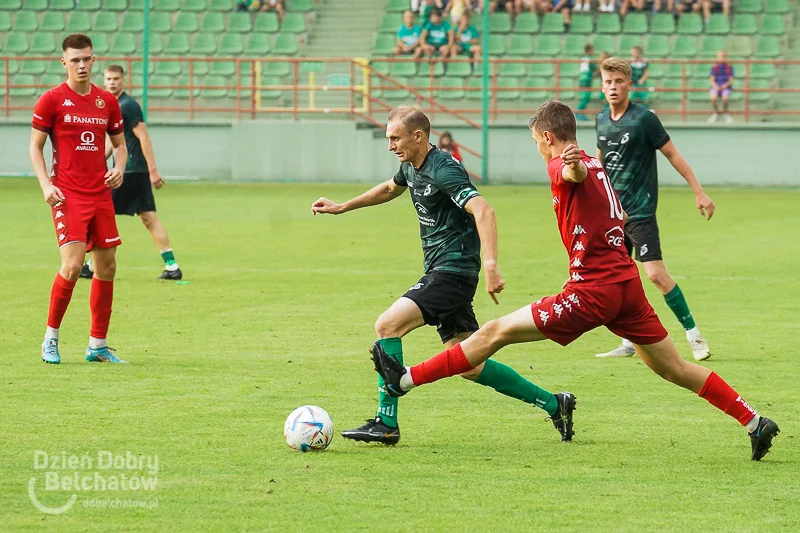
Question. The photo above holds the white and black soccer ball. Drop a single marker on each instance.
(308, 429)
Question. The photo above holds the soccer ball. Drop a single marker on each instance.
(308, 429)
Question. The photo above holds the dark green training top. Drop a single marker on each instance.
(131, 117)
(628, 146)
(440, 189)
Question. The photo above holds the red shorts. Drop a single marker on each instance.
(88, 219)
(621, 307)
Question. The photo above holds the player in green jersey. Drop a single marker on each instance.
(628, 136)
(135, 195)
(640, 71)
(408, 37)
(455, 222)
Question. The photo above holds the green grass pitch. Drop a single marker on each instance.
(279, 312)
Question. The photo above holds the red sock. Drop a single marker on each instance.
(448, 363)
(723, 397)
(60, 295)
(100, 298)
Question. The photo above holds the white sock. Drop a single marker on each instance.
(171, 268)
(51, 333)
(692, 334)
(753, 424)
(94, 343)
(406, 383)
(627, 344)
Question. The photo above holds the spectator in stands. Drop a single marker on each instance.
(588, 72)
(554, 6)
(467, 40)
(447, 144)
(437, 35)
(456, 8)
(640, 71)
(721, 78)
(606, 6)
(274, 5)
(408, 37)
(632, 5)
(509, 6)
(427, 6)
(715, 6)
(686, 6)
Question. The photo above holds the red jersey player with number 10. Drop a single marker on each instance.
(76, 116)
(604, 289)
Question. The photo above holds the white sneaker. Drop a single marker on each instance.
(625, 349)
(700, 350)
(578, 7)
(713, 118)
(587, 6)
(728, 118)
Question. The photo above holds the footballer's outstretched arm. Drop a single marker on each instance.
(486, 222)
(52, 194)
(573, 170)
(379, 194)
(704, 203)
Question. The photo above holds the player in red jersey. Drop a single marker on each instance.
(604, 289)
(76, 116)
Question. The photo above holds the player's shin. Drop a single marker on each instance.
(101, 297)
(60, 296)
(507, 381)
(450, 362)
(387, 405)
(722, 396)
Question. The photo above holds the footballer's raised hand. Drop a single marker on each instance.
(156, 179)
(52, 195)
(704, 205)
(113, 178)
(494, 281)
(323, 205)
(571, 156)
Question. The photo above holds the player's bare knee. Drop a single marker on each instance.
(71, 269)
(386, 328)
(105, 270)
(495, 334)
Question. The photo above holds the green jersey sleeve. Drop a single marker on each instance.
(452, 179)
(400, 178)
(131, 113)
(657, 136)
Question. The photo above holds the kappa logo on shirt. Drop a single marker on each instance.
(67, 103)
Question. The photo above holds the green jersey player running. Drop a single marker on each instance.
(628, 136)
(454, 221)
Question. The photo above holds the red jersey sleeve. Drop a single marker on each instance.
(44, 113)
(554, 170)
(114, 116)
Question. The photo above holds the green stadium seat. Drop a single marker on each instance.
(169, 5)
(5, 21)
(61, 5)
(768, 47)
(402, 70)
(51, 21)
(635, 23)
(657, 46)
(258, 45)
(538, 94)
(380, 66)
(526, 23)
(26, 21)
(699, 96)
(285, 45)
(710, 45)
(573, 45)
(395, 92)
(266, 23)
(702, 70)
(188, 22)
(280, 69)
(604, 43)
(123, 44)
(270, 81)
(497, 45)
(183, 91)
(582, 23)
(240, 23)
(205, 44)
(763, 71)
(608, 23)
(663, 24)
(294, 23)
(450, 89)
(512, 87)
(476, 21)
(674, 70)
(138, 67)
(459, 70)
(100, 44)
(398, 6)
(758, 97)
(476, 84)
(300, 6)
(22, 79)
(744, 24)
(32, 66)
(437, 66)
(552, 23)
(513, 70)
(11, 5)
(718, 24)
(16, 43)
(657, 70)
(748, 6)
(422, 85)
(739, 47)
(50, 80)
(690, 24)
(55, 67)
(547, 45)
(106, 22)
(168, 68)
(160, 23)
(34, 5)
(672, 83)
(544, 70)
(384, 44)
(777, 6)
(390, 23)
(221, 5)
(193, 5)
(213, 22)
(219, 89)
(43, 44)
(567, 89)
(500, 23)
(177, 44)
(772, 24)
(627, 42)
(232, 44)
(78, 22)
(199, 68)
(569, 70)
(133, 21)
(114, 5)
(520, 45)
(222, 68)
(685, 47)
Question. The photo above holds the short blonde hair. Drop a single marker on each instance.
(615, 64)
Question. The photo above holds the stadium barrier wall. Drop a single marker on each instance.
(339, 151)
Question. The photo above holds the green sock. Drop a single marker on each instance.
(168, 257)
(677, 303)
(387, 405)
(506, 380)
(586, 96)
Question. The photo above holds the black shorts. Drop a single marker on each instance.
(642, 234)
(445, 300)
(135, 195)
